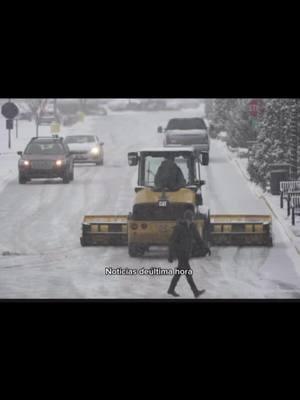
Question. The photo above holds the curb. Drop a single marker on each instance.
(288, 232)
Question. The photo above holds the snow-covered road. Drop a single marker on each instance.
(41, 221)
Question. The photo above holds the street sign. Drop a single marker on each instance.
(9, 110)
(9, 124)
(81, 116)
(55, 127)
(255, 107)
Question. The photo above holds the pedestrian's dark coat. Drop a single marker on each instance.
(170, 176)
(182, 239)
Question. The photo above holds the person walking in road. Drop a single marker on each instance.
(180, 247)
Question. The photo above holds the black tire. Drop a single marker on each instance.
(100, 162)
(66, 178)
(205, 159)
(22, 180)
(83, 242)
(206, 232)
(198, 251)
(136, 250)
(72, 175)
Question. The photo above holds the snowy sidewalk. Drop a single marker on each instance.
(273, 202)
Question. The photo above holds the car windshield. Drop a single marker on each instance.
(79, 139)
(45, 148)
(186, 124)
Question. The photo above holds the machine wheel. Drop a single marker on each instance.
(136, 250)
(205, 159)
(83, 242)
(206, 232)
(198, 252)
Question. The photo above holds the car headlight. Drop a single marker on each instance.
(59, 163)
(26, 163)
(95, 150)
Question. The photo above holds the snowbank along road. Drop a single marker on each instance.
(40, 252)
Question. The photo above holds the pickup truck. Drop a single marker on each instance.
(188, 132)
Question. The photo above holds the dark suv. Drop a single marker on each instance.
(46, 157)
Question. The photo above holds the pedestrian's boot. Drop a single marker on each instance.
(199, 293)
(173, 284)
(173, 293)
(194, 288)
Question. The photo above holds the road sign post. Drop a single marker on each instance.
(9, 127)
(10, 111)
(37, 128)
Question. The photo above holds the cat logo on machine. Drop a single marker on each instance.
(163, 203)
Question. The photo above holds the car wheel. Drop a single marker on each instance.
(100, 162)
(66, 178)
(22, 180)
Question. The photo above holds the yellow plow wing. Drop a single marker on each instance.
(240, 230)
(109, 230)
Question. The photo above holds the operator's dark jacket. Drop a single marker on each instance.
(182, 238)
(169, 175)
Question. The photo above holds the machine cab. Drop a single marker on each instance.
(149, 161)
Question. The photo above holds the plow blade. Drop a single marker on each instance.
(240, 230)
(108, 230)
(223, 230)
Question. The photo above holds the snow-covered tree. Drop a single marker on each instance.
(276, 142)
(241, 125)
(233, 116)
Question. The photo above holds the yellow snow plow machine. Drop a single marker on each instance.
(155, 211)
